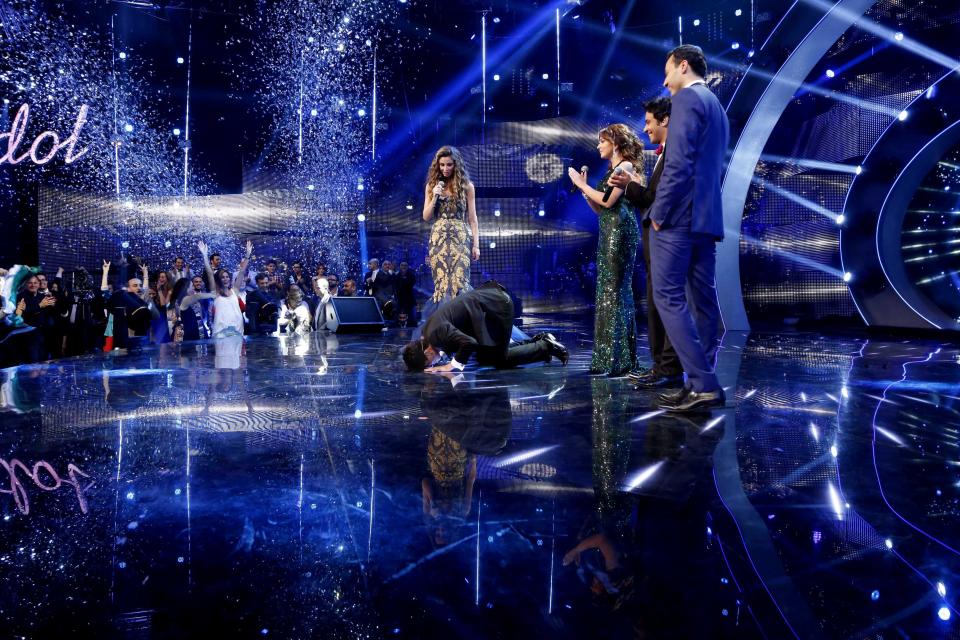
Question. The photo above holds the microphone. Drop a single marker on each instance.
(623, 167)
(583, 169)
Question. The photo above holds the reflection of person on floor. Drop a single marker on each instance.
(448, 491)
(477, 322)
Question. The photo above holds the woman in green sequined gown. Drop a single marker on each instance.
(450, 197)
(614, 330)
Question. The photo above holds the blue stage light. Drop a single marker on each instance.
(496, 77)
(123, 55)
(735, 45)
(944, 613)
(841, 219)
(180, 60)
(847, 276)
(493, 245)
(830, 73)
(361, 218)
(888, 543)
(541, 213)
(176, 131)
(696, 22)
(128, 128)
(346, 19)
(545, 76)
(874, 595)
(361, 112)
(942, 589)
(313, 112)
(496, 213)
(898, 36)
(738, 12)
(903, 116)
(125, 245)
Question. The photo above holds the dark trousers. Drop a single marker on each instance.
(665, 360)
(515, 355)
(680, 258)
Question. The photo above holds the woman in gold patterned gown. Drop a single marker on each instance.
(449, 196)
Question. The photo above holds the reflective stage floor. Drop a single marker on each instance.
(312, 489)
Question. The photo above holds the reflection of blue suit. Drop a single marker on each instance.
(689, 212)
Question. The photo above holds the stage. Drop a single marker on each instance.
(312, 488)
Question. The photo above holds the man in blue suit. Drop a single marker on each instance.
(687, 219)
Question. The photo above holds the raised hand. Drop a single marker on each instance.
(249, 248)
(106, 266)
(204, 250)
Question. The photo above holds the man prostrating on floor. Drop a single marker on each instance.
(478, 322)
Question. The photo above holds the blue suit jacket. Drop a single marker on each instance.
(688, 195)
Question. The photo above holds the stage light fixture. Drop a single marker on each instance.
(738, 12)
(496, 213)
(847, 276)
(888, 543)
(361, 112)
(696, 23)
(903, 116)
(735, 45)
(874, 595)
(493, 245)
(841, 219)
(346, 19)
(167, 244)
(944, 613)
(359, 186)
(544, 105)
(545, 76)
(898, 36)
(751, 53)
(541, 213)
(310, 187)
(123, 55)
(340, 102)
(310, 39)
(496, 20)
(313, 112)
(496, 77)
(409, 206)
(176, 131)
(128, 128)
(180, 60)
(830, 73)
(859, 170)
(341, 47)
(361, 217)
(125, 245)
(942, 589)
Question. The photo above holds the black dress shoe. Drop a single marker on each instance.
(698, 401)
(659, 381)
(672, 397)
(543, 335)
(640, 372)
(557, 350)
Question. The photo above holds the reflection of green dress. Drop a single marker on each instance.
(614, 326)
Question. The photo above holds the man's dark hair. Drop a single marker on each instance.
(659, 108)
(214, 255)
(295, 263)
(694, 57)
(272, 261)
(260, 277)
(414, 357)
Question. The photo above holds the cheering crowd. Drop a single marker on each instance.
(43, 317)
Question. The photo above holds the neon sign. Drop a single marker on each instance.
(52, 481)
(17, 130)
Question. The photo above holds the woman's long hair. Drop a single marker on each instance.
(626, 142)
(459, 180)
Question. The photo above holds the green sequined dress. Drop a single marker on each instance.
(614, 325)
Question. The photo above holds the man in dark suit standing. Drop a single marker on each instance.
(666, 370)
(478, 322)
(403, 284)
(687, 222)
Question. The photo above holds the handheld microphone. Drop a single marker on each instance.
(623, 167)
(583, 169)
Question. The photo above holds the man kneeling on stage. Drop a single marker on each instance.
(478, 322)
